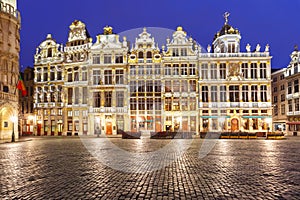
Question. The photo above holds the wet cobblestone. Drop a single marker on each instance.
(62, 168)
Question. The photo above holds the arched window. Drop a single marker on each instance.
(149, 54)
(141, 54)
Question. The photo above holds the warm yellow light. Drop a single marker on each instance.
(13, 119)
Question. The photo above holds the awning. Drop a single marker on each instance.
(215, 117)
(293, 123)
(256, 116)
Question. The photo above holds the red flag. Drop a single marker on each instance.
(21, 86)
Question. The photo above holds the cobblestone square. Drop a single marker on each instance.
(92, 168)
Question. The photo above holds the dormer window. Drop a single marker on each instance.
(49, 53)
(231, 48)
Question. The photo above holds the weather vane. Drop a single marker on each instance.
(226, 15)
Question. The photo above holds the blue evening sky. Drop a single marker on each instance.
(273, 22)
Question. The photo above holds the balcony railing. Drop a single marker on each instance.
(8, 97)
(224, 55)
(111, 110)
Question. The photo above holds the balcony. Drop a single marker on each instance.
(8, 97)
(226, 55)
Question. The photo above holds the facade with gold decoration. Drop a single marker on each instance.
(106, 86)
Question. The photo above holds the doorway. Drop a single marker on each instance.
(234, 124)
(108, 128)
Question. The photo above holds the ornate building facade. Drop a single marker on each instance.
(9, 67)
(292, 77)
(84, 88)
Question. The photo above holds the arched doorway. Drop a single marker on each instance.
(8, 121)
(234, 124)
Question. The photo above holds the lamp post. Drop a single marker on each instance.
(13, 120)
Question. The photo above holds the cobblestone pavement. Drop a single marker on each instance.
(63, 168)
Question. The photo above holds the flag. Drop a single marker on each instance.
(21, 86)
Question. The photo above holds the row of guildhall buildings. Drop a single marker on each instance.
(84, 87)
(111, 84)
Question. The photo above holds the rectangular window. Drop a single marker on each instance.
(184, 104)
(290, 103)
(282, 109)
(222, 93)
(59, 75)
(296, 102)
(96, 77)
(96, 59)
(289, 87)
(84, 76)
(70, 96)
(176, 69)
(149, 87)
(108, 98)
(245, 92)
(296, 85)
(263, 93)
(282, 98)
(149, 104)
(84, 95)
(175, 52)
(168, 104)
(168, 70)
(119, 58)
(204, 71)
(132, 70)
(222, 71)
(133, 104)
(141, 104)
(234, 93)
(176, 86)
(149, 70)
(213, 71)
(263, 70)
(214, 94)
(107, 58)
(157, 70)
(183, 52)
(192, 69)
(120, 98)
(282, 87)
(76, 95)
(192, 85)
(108, 77)
(184, 86)
(176, 103)
(253, 70)
(192, 103)
(119, 76)
(245, 70)
(275, 99)
(70, 113)
(205, 93)
(184, 69)
(97, 99)
(254, 93)
(141, 70)
(168, 86)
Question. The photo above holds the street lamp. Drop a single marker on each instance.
(13, 120)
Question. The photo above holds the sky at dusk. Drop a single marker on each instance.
(273, 22)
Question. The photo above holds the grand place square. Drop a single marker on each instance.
(207, 108)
